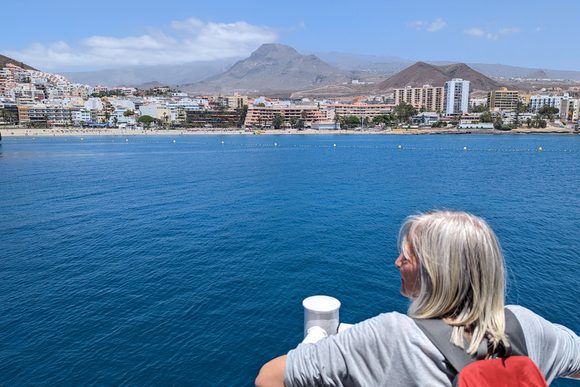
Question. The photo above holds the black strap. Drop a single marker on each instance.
(440, 335)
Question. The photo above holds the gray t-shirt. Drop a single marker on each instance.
(390, 350)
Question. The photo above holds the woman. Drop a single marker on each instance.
(452, 269)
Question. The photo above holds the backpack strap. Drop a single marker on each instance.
(440, 335)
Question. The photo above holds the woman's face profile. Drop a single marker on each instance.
(408, 266)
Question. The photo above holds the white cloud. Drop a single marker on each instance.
(437, 25)
(434, 26)
(509, 30)
(477, 32)
(418, 25)
(184, 41)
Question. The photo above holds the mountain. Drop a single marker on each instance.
(422, 73)
(388, 65)
(163, 74)
(272, 67)
(4, 60)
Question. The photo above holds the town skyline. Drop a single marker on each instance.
(58, 37)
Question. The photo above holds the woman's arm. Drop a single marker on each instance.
(272, 373)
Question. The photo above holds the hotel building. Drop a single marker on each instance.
(427, 97)
(263, 115)
(503, 100)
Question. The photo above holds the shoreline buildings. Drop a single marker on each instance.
(37, 99)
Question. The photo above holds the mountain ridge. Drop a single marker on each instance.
(272, 67)
(422, 73)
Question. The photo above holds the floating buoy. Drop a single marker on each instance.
(82, 139)
(399, 147)
(464, 148)
(275, 144)
(174, 141)
(126, 140)
(540, 149)
(334, 145)
(222, 142)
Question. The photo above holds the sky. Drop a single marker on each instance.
(59, 36)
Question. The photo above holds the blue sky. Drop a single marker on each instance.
(58, 35)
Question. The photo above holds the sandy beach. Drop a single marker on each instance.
(74, 131)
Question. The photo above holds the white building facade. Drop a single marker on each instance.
(456, 96)
(538, 101)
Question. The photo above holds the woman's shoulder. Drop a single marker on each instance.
(553, 347)
(390, 320)
(392, 328)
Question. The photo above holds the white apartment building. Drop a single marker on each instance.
(156, 110)
(456, 96)
(118, 117)
(81, 116)
(538, 101)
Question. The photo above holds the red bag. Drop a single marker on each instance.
(499, 372)
(513, 368)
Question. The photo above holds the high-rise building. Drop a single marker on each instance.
(427, 97)
(456, 96)
(570, 109)
(503, 100)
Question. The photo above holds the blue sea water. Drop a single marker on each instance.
(141, 261)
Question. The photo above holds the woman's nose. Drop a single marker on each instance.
(398, 262)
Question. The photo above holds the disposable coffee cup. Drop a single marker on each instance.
(323, 312)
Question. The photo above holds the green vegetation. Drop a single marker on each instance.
(147, 120)
(536, 122)
(349, 122)
(486, 117)
(548, 112)
(480, 109)
(384, 119)
(243, 112)
(108, 93)
(277, 121)
(404, 112)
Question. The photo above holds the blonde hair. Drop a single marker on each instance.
(462, 275)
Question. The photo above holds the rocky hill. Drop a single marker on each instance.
(4, 60)
(422, 73)
(272, 67)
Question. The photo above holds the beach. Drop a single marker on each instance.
(77, 131)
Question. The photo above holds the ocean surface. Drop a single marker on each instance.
(143, 261)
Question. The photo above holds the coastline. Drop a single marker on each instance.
(77, 131)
